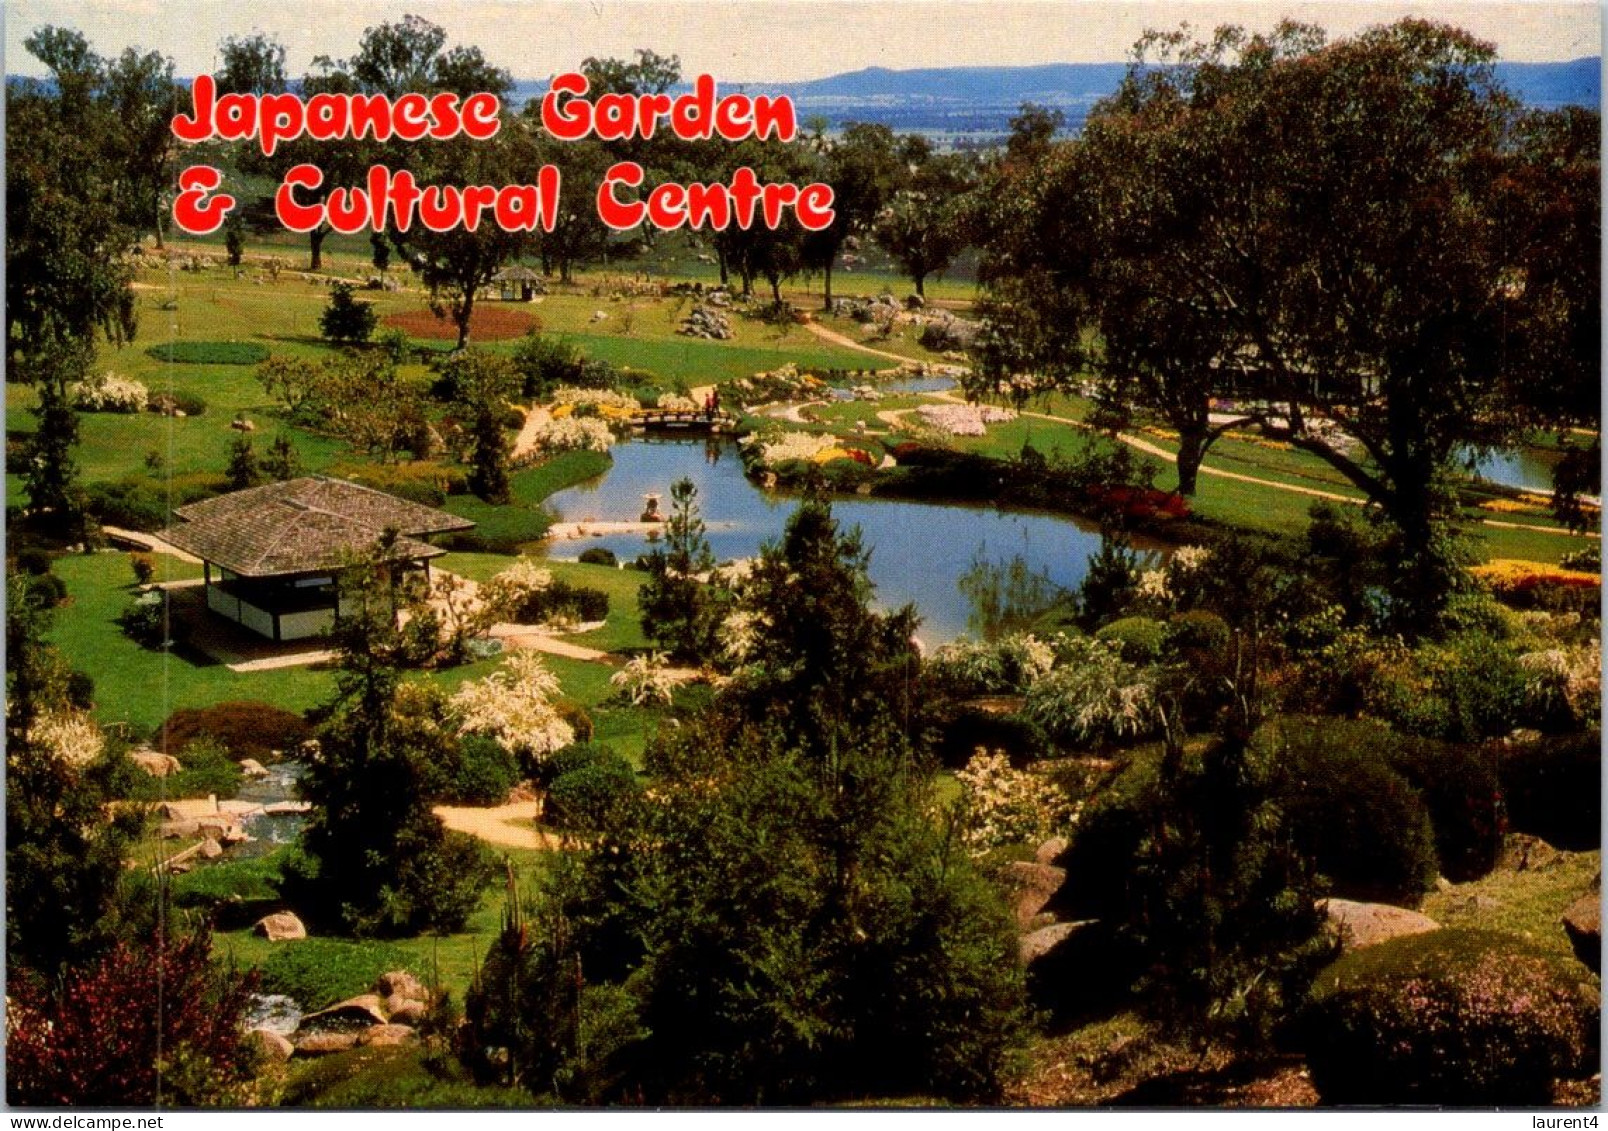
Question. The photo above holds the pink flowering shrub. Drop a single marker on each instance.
(1451, 1017)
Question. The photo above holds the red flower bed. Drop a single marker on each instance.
(1141, 502)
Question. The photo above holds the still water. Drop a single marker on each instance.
(919, 551)
(1528, 469)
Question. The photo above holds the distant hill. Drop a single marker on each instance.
(980, 101)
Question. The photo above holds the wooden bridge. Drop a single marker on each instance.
(684, 420)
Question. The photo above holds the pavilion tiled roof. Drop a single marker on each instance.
(304, 525)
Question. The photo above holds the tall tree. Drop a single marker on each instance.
(925, 224)
(252, 64)
(67, 275)
(1327, 227)
(787, 924)
(141, 98)
(375, 860)
(64, 853)
(862, 166)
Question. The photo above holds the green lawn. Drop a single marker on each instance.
(455, 956)
(137, 686)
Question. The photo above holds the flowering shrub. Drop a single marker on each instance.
(1093, 694)
(675, 402)
(1010, 664)
(1528, 584)
(514, 706)
(110, 393)
(513, 587)
(741, 635)
(1564, 680)
(778, 448)
(1002, 806)
(1452, 1016)
(571, 433)
(963, 419)
(597, 398)
(645, 680)
(98, 1040)
(70, 736)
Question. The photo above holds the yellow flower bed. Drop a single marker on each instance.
(1511, 573)
(1508, 506)
(562, 410)
(827, 455)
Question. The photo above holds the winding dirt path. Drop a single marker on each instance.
(497, 824)
(844, 340)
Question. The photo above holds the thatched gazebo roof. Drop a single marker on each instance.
(307, 525)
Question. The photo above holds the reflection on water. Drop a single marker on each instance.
(1528, 469)
(920, 551)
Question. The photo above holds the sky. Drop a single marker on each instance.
(762, 40)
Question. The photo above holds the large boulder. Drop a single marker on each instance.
(1360, 925)
(406, 1011)
(324, 1043)
(282, 926)
(1050, 850)
(271, 1046)
(1582, 922)
(387, 1036)
(1522, 852)
(155, 763)
(1032, 885)
(400, 983)
(1457, 1017)
(355, 1013)
(1036, 944)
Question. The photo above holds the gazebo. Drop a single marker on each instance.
(273, 554)
(519, 283)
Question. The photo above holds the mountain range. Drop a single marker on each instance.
(981, 100)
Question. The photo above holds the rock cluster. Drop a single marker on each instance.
(706, 322)
(387, 1017)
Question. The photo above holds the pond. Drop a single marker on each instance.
(920, 551)
(1528, 469)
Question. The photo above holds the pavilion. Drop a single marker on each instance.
(273, 554)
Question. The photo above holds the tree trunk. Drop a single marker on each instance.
(466, 310)
(921, 281)
(828, 304)
(1191, 451)
(720, 260)
(315, 240)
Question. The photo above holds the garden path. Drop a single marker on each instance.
(512, 826)
(838, 339)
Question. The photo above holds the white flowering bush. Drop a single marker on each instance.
(1177, 581)
(110, 393)
(1093, 694)
(509, 590)
(963, 419)
(572, 433)
(70, 736)
(675, 402)
(772, 449)
(597, 398)
(1001, 806)
(1008, 665)
(742, 634)
(1564, 677)
(514, 706)
(646, 679)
